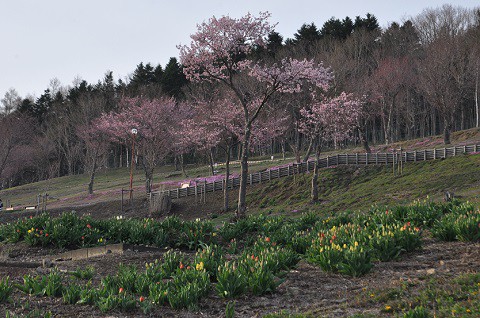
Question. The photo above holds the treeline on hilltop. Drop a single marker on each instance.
(416, 78)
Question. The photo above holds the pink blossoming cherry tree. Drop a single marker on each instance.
(329, 120)
(156, 121)
(220, 51)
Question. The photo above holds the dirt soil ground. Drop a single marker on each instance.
(305, 289)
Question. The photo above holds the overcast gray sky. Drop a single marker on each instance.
(65, 39)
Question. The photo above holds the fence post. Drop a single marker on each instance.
(251, 179)
(38, 204)
(269, 174)
(366, 158)
(347, 158)
(475, 148)
(434, 153)
(464, 149)
(356, 158)
(394, 156)
(338, 160)
(178, 193)
(288, 168)
(122, 202)
(328, 164)
(415, 157)
(376, 158)
(424, 154)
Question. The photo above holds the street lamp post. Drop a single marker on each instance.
(134, 134)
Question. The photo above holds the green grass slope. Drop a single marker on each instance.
(359, 187)
(341, 188)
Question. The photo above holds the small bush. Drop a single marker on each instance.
(86, 273)
(417, 312)
(231, 281)
(71, 294)
(6, 289)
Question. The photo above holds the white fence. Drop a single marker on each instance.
(330, 161)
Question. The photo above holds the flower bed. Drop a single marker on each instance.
(242, 258)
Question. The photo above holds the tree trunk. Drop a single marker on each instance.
(227, 176)
(385, 130)
(120, 157)
(148, 176)
(212, 169)
(295, 146)
(183, 166)
(387, 124)
(148, 180)
(239, 152)
(309, 151)
(314, 190)
(363, 138)
(92, 177)
(476, 98)
(175, 162)
(462, 118)
(298, 146)
(446, 132)
(242, 193)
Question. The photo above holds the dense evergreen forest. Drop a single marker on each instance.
(414, 79)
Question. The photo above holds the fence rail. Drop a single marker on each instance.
(200, 188)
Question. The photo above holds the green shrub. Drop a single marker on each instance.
(121, 302)
(261, 280)
(444, 229)
(467, 227)
(54, 287)
(158, 293)
(171, 262)
(6, 289)
(71, 294)
(33, 285)
(231, 282)
(209, 258)
(86, 273)
(187, 288)
(417, 312)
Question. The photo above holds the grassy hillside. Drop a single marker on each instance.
(71, 191)
(352, 188)
(341, 188)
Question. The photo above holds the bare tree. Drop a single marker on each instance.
(10, 101)
(444, 68)
(446, 21)
(15, 132)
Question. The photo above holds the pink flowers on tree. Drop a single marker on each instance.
(219, 52)
(156, 121)
(329, 120)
